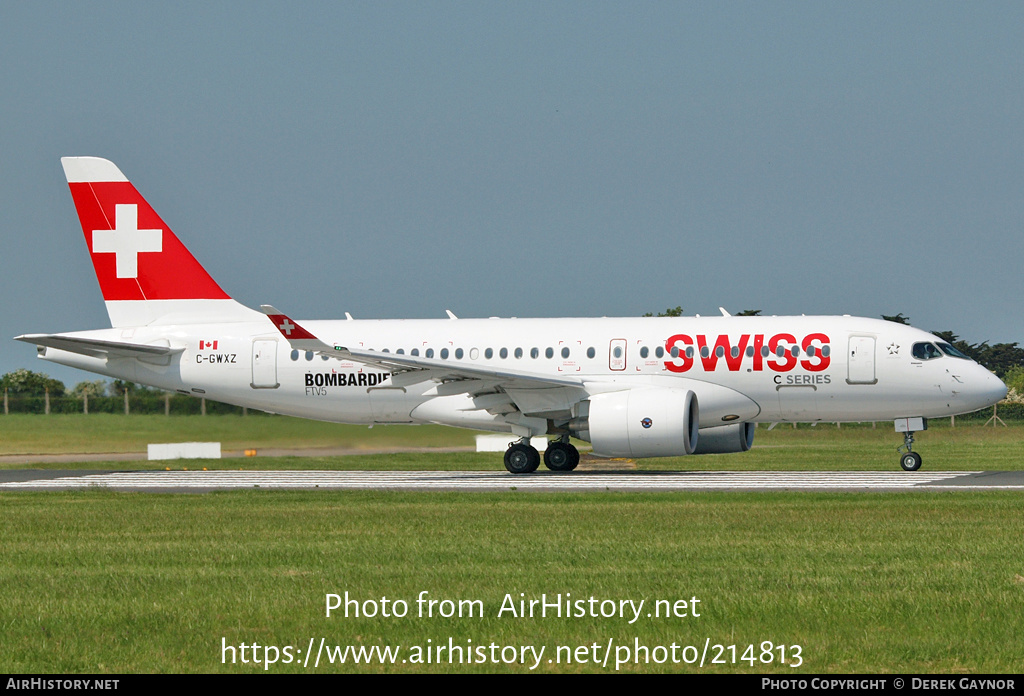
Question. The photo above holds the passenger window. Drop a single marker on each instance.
(519, 353)
(659, 352)
(503, 353)
(400, 351)
(429, 353)
(549, 353)
(444, 353)
(295, 355)
(489, 353)
(591, 352)
(415, 352)
(309, 355)
(644, 352)
(459, 353)
(565, 352)
(535, 353)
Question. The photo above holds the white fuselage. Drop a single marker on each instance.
(742, 369)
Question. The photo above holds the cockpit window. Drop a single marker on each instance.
(925, 351)
(952, 352)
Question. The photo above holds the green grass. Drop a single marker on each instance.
(99, 581)
(966, 447)
(104, 432)
(860, 447)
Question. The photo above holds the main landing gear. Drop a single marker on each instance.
(523, 458)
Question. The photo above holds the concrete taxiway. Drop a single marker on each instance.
(203, 481)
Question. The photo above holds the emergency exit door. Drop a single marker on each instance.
(617, 354)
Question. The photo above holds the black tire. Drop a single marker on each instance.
(911, 461)
(561, 456)
(521, 459)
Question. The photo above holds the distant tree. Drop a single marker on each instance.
(898, 318)
(1000, 357)
(119, 386)
(1014, 379)
(93, 389)
(749, 313)
(31, 383)
(677, 312)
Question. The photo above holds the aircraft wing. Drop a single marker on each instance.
(407, 369)
(97, 348)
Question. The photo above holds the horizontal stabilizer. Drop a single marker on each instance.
(97, 348)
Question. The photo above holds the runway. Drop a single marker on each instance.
(204, 481)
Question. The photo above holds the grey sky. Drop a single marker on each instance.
(528, 159)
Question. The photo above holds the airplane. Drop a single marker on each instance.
(631, 387)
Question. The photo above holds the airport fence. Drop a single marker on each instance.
(182, 404)
(144, 403)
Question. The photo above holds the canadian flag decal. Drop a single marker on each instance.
(207, 345)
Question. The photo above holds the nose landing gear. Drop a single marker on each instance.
(909, 459)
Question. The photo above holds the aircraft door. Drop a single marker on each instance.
(617, 355)
(264, 364)
(861, 360)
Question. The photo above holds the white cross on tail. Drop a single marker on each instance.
(126, 241)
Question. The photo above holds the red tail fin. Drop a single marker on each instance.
(143, 269)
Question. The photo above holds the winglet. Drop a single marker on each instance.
(296, 336)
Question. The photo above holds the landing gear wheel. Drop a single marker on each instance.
(911, 461)
(521, 459)
(561, 456)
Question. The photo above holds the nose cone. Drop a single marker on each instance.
(986, 388)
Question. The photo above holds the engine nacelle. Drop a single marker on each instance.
(723, 439)
(639, 423)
